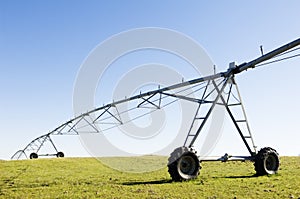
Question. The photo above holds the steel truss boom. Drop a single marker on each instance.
(110, 114)
(270, 55)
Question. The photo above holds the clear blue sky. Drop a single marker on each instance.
(43, 43)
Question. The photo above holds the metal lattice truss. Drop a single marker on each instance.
(211, 91)
(214, 90)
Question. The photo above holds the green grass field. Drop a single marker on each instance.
(89, 178)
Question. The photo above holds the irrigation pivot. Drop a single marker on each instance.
(215, 90)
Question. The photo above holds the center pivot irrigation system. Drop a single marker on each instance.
(214, 90)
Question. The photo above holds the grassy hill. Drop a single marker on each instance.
(89, 178)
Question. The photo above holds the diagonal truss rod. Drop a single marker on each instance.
(219, 94)
(235, 123)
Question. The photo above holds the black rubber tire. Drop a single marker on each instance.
(33, 156)
(183, 164)
(60, 155)
(266, 161)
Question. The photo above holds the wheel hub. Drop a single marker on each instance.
(271, 163)
(187, 165)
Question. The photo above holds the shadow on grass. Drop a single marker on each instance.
(243, 176)
(165, 181)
